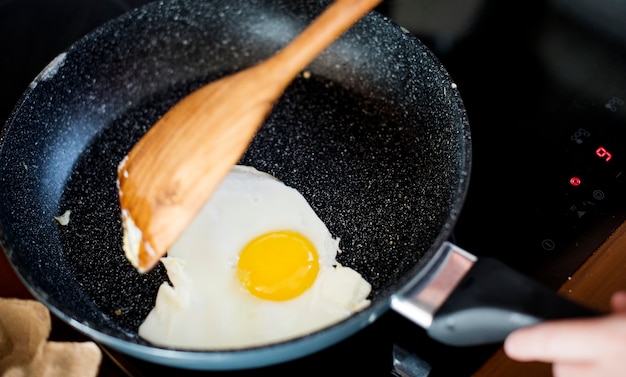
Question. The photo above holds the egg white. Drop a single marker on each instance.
(207, 307)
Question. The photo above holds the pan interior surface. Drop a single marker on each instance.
(373, 134)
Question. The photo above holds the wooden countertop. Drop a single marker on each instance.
(592, 285)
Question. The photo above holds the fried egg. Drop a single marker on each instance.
(255, 267)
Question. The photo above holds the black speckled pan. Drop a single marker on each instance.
(376, 138)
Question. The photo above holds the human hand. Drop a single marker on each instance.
(576, 347)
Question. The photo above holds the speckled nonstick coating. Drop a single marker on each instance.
(376, 139)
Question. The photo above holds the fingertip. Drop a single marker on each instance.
(509, 345)
(618, 301)
(526, 343)
(512, 346)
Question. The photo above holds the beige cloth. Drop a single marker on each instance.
(25, 350)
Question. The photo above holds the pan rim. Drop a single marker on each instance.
(221, 360)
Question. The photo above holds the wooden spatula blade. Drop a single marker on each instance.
(211, 135)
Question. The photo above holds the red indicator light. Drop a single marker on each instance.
(575, 181)
(603, 153)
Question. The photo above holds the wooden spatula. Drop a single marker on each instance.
(172, 171)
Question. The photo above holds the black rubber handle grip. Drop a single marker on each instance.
(492, 300)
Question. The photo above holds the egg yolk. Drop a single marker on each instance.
(278, 265)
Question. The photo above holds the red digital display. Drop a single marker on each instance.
(604, 154)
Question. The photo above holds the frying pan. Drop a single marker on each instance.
(376, 138)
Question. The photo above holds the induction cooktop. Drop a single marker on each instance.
(544, 84)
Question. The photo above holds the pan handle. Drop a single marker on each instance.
(492, 300)
(462, 300)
